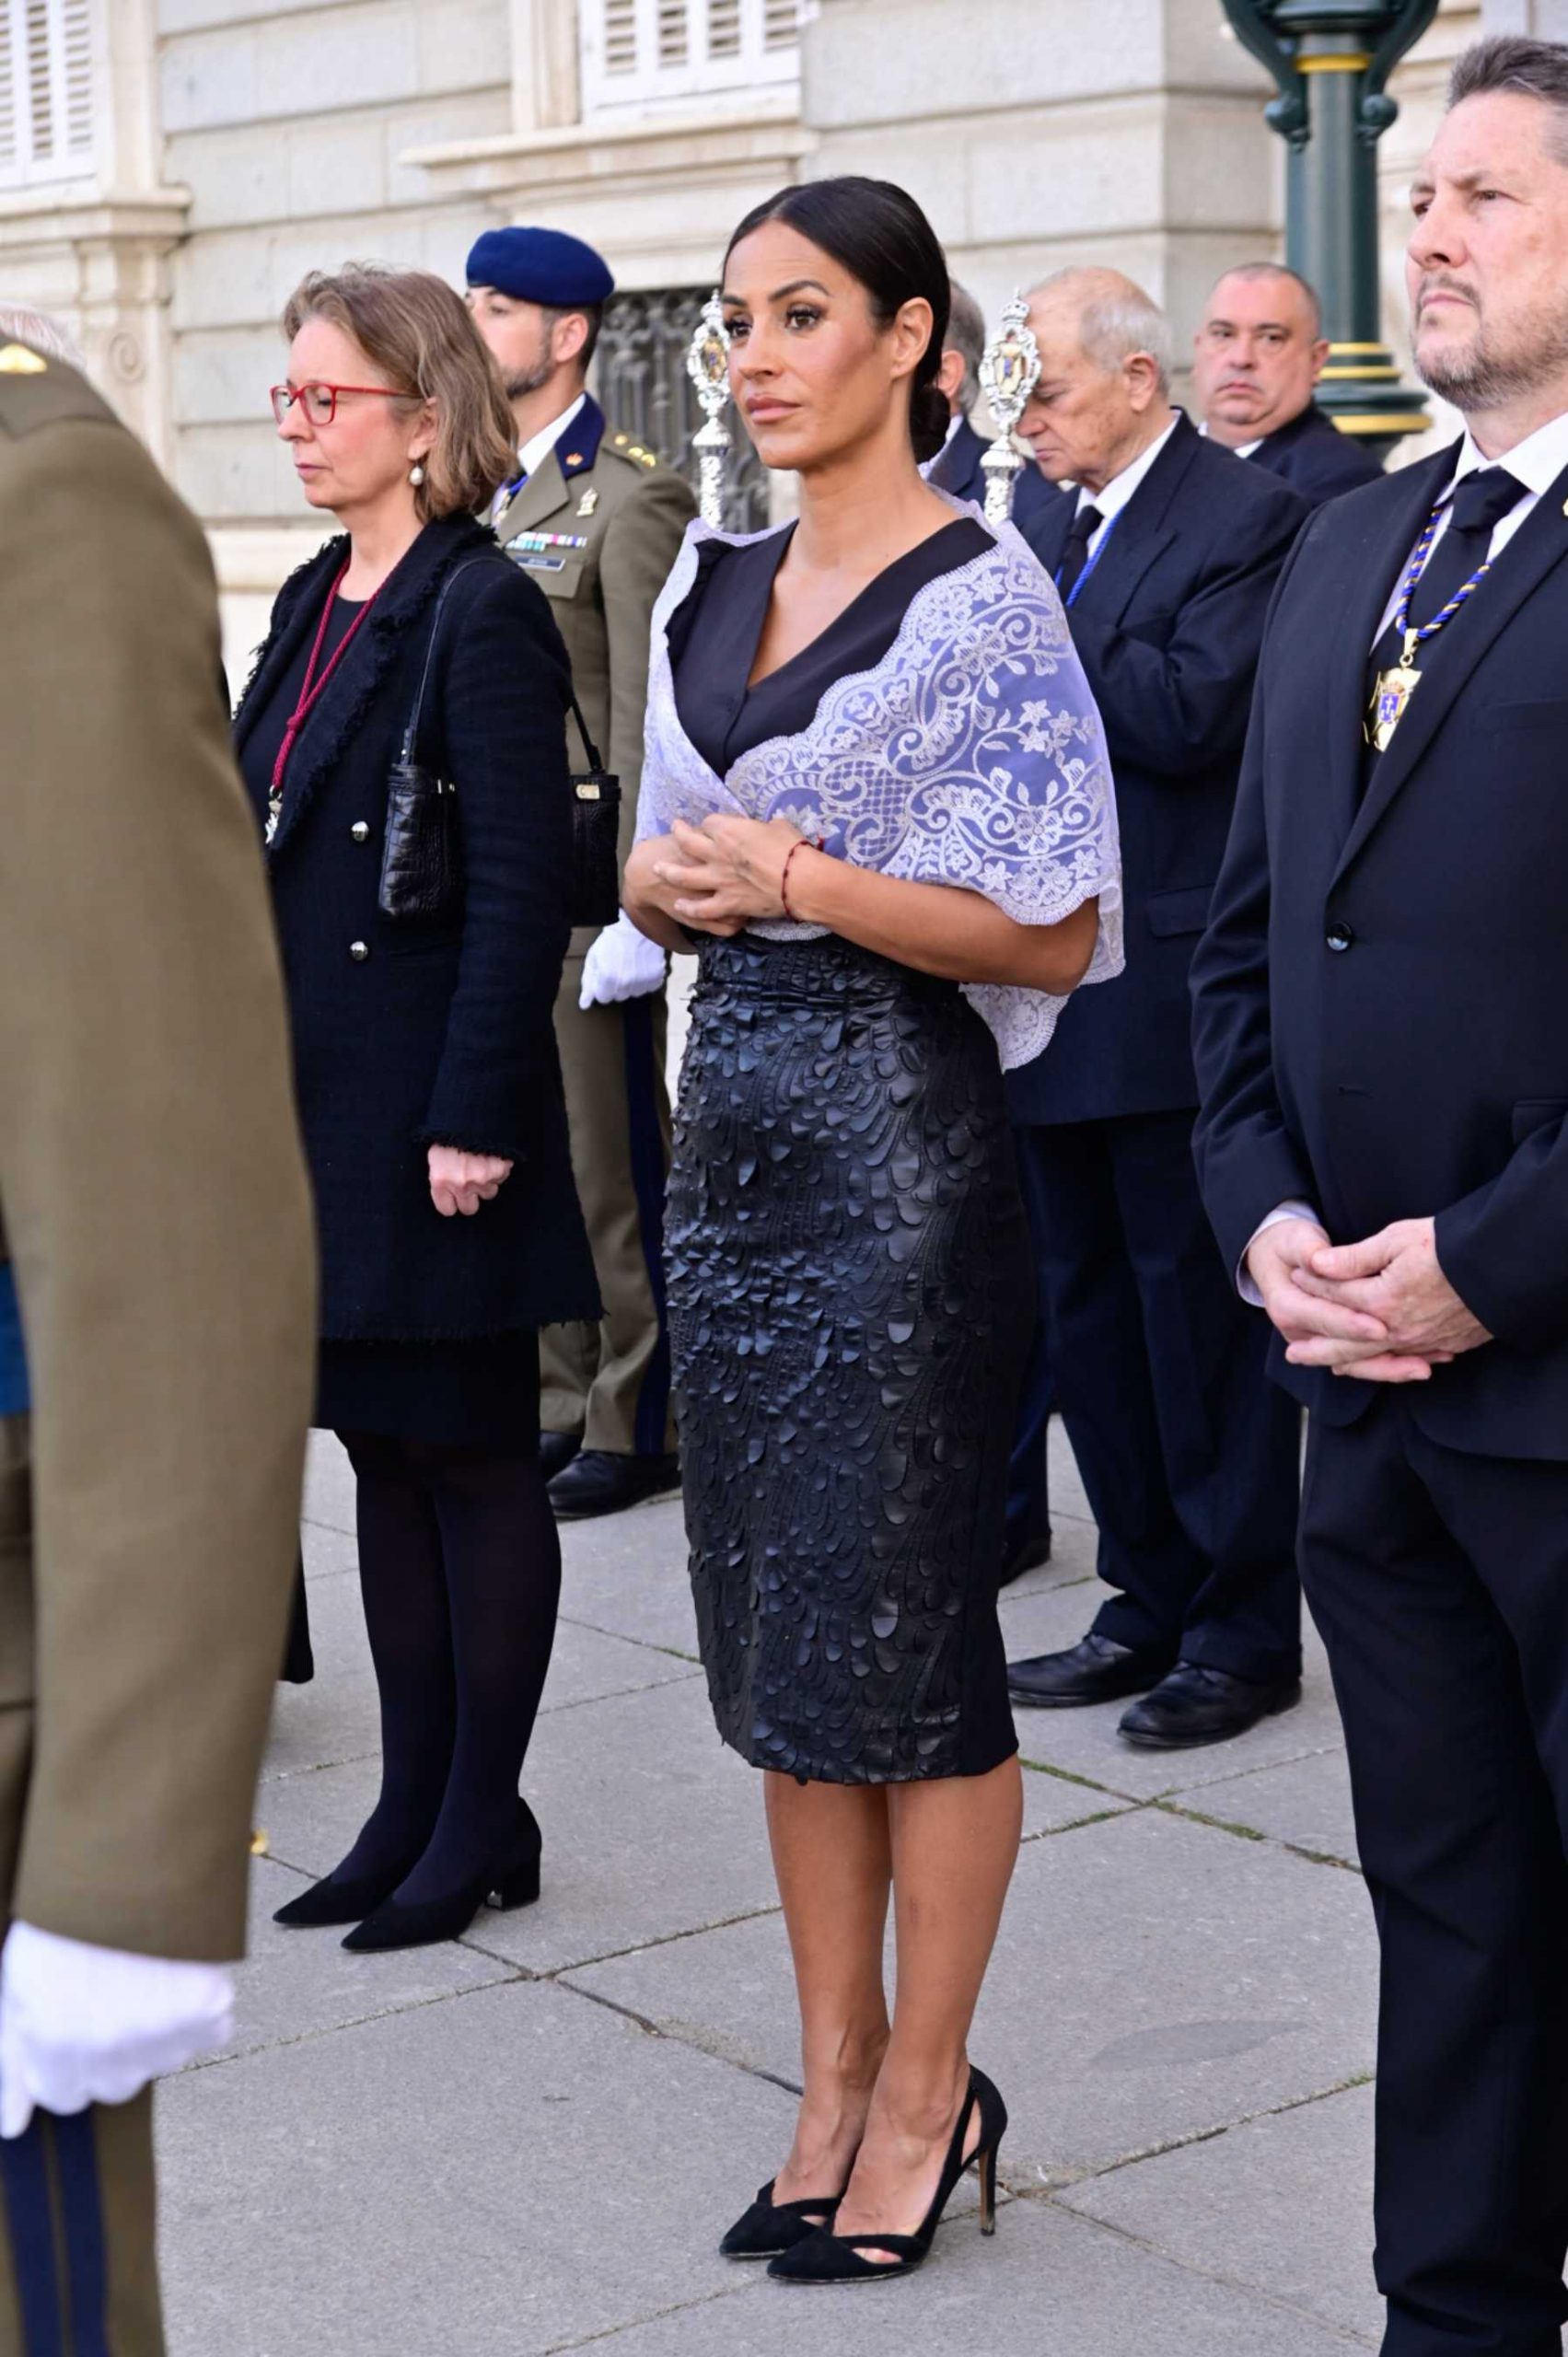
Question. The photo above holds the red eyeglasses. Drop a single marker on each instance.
(321, 400)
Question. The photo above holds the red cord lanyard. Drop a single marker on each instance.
(311, 693)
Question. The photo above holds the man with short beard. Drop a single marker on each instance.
(595, 518)
(1381, 1042)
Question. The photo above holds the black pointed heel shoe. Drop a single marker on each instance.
(340, 1898)
(514, 1883)
(823, 2257)
(769, 2226)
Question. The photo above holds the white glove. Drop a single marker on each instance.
(622, 963)
(82, 2025)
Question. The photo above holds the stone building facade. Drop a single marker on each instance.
(168, 169)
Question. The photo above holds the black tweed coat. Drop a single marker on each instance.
(407, 1035)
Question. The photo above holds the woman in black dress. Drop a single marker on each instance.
(876, 792)
(429, 1090)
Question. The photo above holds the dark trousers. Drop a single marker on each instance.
(1029, 1478)
(1440, 1583)
(78, 2266)
(1188, 1452)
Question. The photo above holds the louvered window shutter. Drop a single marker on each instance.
(634, 52)
(47, 89)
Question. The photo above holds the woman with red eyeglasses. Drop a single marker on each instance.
(429, 1090)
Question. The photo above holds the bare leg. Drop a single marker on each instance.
(955, 1841)
(833, 1858)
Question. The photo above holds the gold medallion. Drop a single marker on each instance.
(1391, 695)
(21, 360)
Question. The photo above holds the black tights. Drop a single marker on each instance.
(460, 1566)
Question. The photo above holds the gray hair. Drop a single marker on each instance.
(966, 335)
(1118, 321)
(44, 332)
(1534, 69)
(1254, 269)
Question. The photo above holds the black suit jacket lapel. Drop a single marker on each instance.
(1141, 532)
(1537, 547)
(1047, 532)
(1352, 599)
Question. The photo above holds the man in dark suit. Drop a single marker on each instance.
(1256, 357)
(1166, 555)
(1380, 1036)
(958, 466)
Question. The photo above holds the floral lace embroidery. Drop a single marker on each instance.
(971, 755)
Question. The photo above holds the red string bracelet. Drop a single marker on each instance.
(807, 842)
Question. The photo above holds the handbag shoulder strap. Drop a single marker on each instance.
(411, 734)
(588, 746)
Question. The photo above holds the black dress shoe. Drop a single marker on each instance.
(600, 1480)
(1196, 1704)
(511, 1881)
(556, 1451)
(769, 2226)
(1096, 1669)
(1024, 1552)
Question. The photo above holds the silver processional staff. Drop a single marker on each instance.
(707, 365)
(1009, 371)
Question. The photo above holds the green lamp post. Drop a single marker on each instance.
(1332, 60)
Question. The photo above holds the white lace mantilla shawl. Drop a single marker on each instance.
(973, 754)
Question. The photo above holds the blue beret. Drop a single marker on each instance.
(541, 266)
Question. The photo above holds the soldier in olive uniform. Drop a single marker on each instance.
(157, 1348)
(597, 520)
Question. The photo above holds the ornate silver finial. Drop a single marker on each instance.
(1009, 371)
(707, 365)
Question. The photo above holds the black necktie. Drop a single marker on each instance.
(1075, 553)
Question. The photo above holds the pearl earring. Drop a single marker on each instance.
(416, 474)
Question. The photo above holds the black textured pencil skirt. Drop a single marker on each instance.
(851, 1299)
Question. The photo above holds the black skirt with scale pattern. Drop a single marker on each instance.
(851, 1292)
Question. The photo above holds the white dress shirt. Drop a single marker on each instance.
(535, 451)
(1237, 450)
(1120, 489)
(1536, 462)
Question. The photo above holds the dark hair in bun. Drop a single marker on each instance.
(879, 233)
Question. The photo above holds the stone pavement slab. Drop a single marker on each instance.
(1155, 1980)
(512, 2171)
(297, 1984)
(1086, 1743)
(1283, 2203)
(1304, 1802)
(1047, 2286)
(626, 1573)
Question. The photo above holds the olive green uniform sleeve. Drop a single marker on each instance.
(154, 1200)
(641, 544)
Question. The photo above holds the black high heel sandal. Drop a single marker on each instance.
(826, 2257)
(513, 1883)
(769, 2226)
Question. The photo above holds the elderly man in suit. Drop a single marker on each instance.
(1166, 555)
(157, 1348)
(1384, 1148)
(1256, 357)
(597, 519)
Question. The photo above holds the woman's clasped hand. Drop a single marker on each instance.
(717, 877)
(460, 1182)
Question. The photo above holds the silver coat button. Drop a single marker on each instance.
(360, 831)
(359, 951)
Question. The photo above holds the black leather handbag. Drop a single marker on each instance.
(596, 836)
(422, 865)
